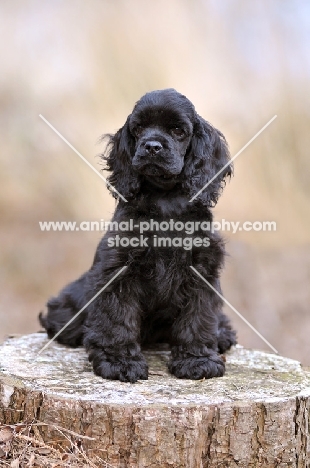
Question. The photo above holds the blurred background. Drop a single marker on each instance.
(83, 65)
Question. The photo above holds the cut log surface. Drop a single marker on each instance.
(257, 415)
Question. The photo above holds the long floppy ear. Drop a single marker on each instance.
(207, 155)
(118, 157)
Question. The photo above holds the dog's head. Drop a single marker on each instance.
(167, 145)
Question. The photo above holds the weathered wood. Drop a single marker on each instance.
(257, 415)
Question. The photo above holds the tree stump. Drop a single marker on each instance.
(257, 415)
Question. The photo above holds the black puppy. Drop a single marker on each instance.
(163, 155)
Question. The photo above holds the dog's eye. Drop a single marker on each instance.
(138, 130)
(178, 131)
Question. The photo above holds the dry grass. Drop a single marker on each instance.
(21, 446)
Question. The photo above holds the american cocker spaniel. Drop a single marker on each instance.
(159, 160)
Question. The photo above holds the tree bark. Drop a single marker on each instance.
(257, 415)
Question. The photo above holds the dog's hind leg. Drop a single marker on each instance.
(63, 308)
(226, 334)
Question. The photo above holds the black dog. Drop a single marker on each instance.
(163, 155)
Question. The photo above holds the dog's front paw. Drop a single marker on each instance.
(197, 367)
(123, 368)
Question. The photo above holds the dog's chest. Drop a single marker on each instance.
(160, 267)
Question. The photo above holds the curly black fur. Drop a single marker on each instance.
(163, 155)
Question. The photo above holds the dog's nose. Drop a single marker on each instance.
(153, 146)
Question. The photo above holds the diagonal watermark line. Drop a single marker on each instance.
(235, 310)
(82, 157)
(232, 159)
(80, 311)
